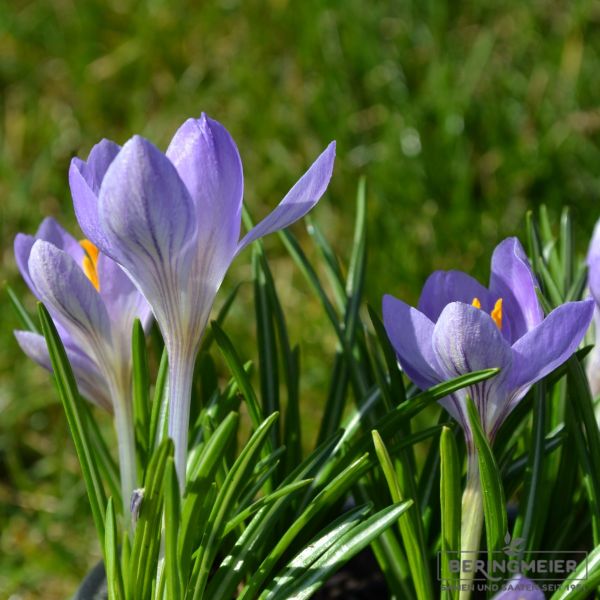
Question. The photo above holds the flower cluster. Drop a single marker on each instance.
(161, 230)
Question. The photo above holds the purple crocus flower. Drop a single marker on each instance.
(520, 588)
(93, 305)
(173, 222)
(593, 263)
(461, 326)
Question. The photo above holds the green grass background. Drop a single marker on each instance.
(461, 115)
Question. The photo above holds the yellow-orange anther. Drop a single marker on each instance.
(476, 303)
(496, 314)
(90, 262)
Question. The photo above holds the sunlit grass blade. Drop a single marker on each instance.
(160, 412)
(146, 542)
(583, 581)
(341, 551)
(494, 504)
(72, 403)
(140, 383)
(204, 461)
(324, 540)
(257, 533)
(396, 383)
(534, 504)
(114, 576)
(588, 445)
(172, 520)
(227, 495)
(330, 262)
(280, 492)
(26, 321)
(325, 499)
(239, 374)
(105, 461)
(410, 528)
(450, 506)
(267, 343)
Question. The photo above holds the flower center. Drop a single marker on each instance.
(496, 313)
(90, 262)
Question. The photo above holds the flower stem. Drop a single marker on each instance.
(181, 373)
(471, 523)
(126, 445)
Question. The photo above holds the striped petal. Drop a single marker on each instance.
(299, 200)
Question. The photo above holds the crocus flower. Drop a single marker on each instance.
(520, 588)
(93, 305)
(173, 222)
(593, 263)
(461, 326)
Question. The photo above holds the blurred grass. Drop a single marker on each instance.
(462, 116)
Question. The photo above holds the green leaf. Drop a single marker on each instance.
(266, 342)
(280, 492)
(409, 528)
(320, 544)
(258, 533)
(450, 502)
(228, 493)
(160, 404)
(24, 318)
(76, 418)
(589, 443)
(172, 519)
(141, 379)
(534, 505)
(239, 374)
(146, 543)
(347, 546)
(581, 583)
(494, 505)
(114, 577)
(325, 499)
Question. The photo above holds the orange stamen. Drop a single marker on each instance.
(496, 314)
(90, 262)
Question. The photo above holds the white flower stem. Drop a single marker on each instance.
(181, 373)
(471, 523)
(126, 444)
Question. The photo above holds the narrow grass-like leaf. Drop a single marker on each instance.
(583, 581)
(324, 540)
(160, 407)
(226, 498)
(72, 403)
(239, 374)
(141, 383)
(281, 492)
(330, 262)
(208, 339)
(172, 566)
(411, 537)
(450, 501)
(114, 577)
(24, 318)
(146, 542)
(105, 461)
(340, 552)
(581, 397)
(395, 375)
(530, 521)
(267, 344)
(258, 532)
(494, 505)
(204, 461)
(330, 494)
